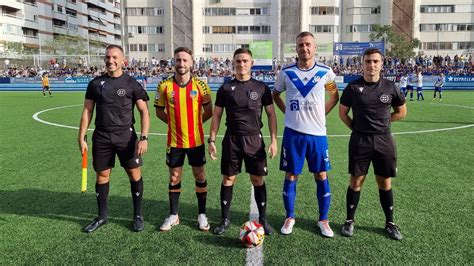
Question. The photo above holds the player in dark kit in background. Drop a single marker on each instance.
(243, 99)
(115, 95)
(371, 99)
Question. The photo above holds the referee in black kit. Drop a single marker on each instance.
(371, 99)
(243, 100)
(115, 95)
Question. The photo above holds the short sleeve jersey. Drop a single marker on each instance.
(115, 100)
(371, 104)
(243, 102)
(403, 81)
(45, 81)
(305, 97)
(183, 106)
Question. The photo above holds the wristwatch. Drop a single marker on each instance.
(209, 140)
(142, 138)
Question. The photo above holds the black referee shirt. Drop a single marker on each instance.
(115, 99)
(371, 104)
(243, 102)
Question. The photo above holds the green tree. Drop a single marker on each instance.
(395, 44)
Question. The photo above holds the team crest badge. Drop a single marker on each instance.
(384, 98)
(253, 95)
(121, 92)
(193, 94)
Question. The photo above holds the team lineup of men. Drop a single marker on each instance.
(184, 103)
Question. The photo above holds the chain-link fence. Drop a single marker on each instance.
(49, 61)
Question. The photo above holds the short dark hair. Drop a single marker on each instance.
(370, 51)
(304, 34)
(114, 46)
(243, 51)
(183, 49)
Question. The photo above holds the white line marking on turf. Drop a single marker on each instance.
(254, 256)
(36, 117)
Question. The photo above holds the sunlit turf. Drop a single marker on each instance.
(42, 210)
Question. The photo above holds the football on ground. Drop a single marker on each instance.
(252, 234)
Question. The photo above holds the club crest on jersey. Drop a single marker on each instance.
(193, 94)
(121, 92)
(384, 98)
(253, 95)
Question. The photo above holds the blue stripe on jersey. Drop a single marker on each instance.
(305, 89)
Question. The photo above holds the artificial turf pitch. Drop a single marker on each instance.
(42, 210)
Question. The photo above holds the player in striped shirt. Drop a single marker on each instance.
(184, 103)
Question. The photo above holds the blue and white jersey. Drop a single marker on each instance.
(411, 80)
(403, 81)
(419, 80)
(439, 82)
(305, 97)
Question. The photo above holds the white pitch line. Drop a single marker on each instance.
(36, 117)
(254, 256)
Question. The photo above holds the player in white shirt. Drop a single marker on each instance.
(403, 84)
(304, 136)
(419, 86)
(439, 86)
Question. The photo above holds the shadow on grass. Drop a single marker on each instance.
(81, 208)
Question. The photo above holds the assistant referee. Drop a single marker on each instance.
(371, 99)
(114, 95)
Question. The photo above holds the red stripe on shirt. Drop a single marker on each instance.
(190, 115)
(177, 116)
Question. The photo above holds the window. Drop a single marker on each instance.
(223, 29)
(242, 29)
(359, 28)
(219, 48)
(59, 8)
(266, 30)
(142, 47)
(434, 45)
(133, 47)
(437, 9)
(71, 12)
(161, 47)
(465, 45)
(321, 28)
(219, 11)
(206, 29)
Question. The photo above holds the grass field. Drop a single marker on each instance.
(42, 211)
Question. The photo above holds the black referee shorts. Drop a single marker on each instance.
(250, 149)
(379, 149)
(107, 144)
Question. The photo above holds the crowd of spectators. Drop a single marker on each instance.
(219, 67)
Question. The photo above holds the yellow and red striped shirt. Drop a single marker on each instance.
(183, 106)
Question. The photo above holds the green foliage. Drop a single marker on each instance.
(399, 46)
(42, 210)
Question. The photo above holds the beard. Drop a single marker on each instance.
(183, 70)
